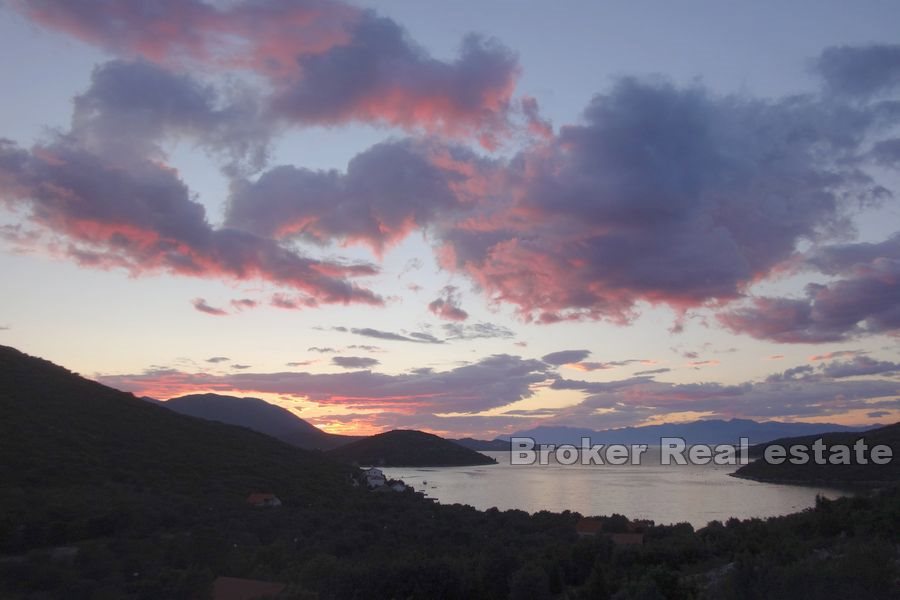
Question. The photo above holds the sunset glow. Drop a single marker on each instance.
(378, 218)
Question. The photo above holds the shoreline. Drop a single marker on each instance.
(853, 486)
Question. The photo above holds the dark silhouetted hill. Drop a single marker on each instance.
(409, 448)
(103, 495)
(833, 474)
(259, 415)
(484, 445)
(67, 440)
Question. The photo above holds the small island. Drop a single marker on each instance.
(408, 448)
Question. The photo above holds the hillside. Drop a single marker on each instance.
(833, 474)
(103, 495)
(408, 448)
(258, 415)
(58, 429)
(484, 445)
(275, 421)
(706, 431)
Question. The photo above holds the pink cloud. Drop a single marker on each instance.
(446, 306)
(491, 382)
(264, 36)
(139, 216)
(415, 399)
(863, 299)
(312, 52)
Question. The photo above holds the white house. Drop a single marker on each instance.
(374, 477)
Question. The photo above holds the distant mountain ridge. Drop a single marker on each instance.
(710, 431)
(258, 415)
(408, 448)
(275, 421)
(483, 445)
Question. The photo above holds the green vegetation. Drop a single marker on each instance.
(153, 503)
(869, 474)
(408, 448)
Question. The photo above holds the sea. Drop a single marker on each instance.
(696, 494)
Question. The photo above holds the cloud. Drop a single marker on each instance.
(217, 359)
(652, 371)
(792, 374)
(864, 300)
(292, 302)
(602, 366)
(299, 363)
(446, 306)
(703, 363)
(877, 414)
(860, 365)
(379, 77)
(591, 366)
(630, 401)
(132, 107)
(240, 367)
(835, 354)
(366, 347)
(105, 200)
(326, 62)
(661, 194)
(421, 336)
(425, 397)
(320, 349)
(201, 305)
(494, 381)
(887, 153)
(413, 264)
(354, 362)
(476, 331)
(243, 303)
(860, 70)
(536, 124)
(565, 357)
(417, 337)
(387, 191)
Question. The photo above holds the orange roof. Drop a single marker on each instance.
(589, 526)
(232, 588)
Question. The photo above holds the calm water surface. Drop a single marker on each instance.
(666, 494)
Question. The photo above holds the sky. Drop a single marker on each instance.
(471, 218)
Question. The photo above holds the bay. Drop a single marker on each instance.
(696, 494)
